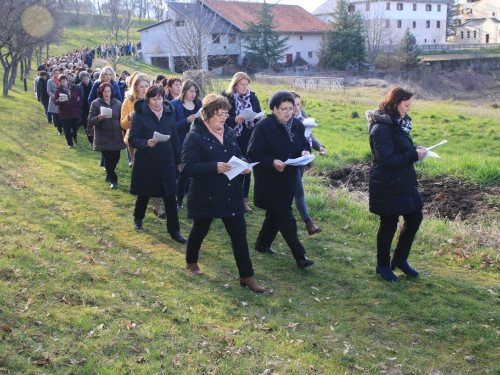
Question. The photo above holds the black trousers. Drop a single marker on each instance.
(141, 205)
(71, 129)
(57, 122)
(111, 159)
(385, 235)
(284, 222)
(237, 230)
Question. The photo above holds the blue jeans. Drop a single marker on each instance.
(300, 199)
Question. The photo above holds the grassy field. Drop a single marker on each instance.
(82, 292)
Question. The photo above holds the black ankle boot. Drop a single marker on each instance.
(405, 267)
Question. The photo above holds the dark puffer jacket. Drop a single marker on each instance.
(108, 134)
(154, 167)
(393, 182)
(211, 194)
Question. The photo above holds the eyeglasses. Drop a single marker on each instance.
(222, 114)
(285, 110)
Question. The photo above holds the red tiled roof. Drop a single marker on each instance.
(287, 18)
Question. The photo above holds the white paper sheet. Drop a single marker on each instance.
(237, 166)
(108, 112)
(431, 153)
(198, 114)
(249, 115)
(63, 97)
(160, 137)
(303, 160)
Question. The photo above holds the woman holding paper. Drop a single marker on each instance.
(186, 106)
(104, 116)
(208, 148)
(242, 99)
(155, 161)
(67, 98)
(276, 139)
(393, 182)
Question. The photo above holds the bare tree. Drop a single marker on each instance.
(158, 8)
(377, 34)
(198, 35)
(129, 7)
(26, 26)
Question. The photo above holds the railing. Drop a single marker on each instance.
(303, 82)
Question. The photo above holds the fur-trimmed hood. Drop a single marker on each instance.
(375, 117)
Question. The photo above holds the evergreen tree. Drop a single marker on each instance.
(345, 43)
(264, 46)
(409, 51)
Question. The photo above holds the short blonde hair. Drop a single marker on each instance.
(106, 69)
(237, 78)
(135, 80)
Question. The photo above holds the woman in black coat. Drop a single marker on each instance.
(240, 98)
(277, 138)
(393, 182)
(207, 149)
(155, 163)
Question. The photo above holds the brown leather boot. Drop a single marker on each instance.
(247, 207)
(193, 269)
(312, 228)
(157, 210)
(252, 284)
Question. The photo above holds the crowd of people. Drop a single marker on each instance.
(178, 143)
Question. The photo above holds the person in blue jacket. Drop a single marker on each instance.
(186, 106)
(107, 75)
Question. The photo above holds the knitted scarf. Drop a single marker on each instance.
(242, 102)
(288, 126)
(405, 124)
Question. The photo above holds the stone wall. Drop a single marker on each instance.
(480, 63)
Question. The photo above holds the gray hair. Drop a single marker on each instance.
(83, 74)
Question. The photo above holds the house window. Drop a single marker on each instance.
(351, 8)
(232, 38)
(297, 55)
(428, 24)
(425, 40)
(310, 54)
(301, 37)
(387, 23)
(399, 24)
(438, 24)
(414, 7)
(428, 7)
(399, 6)
(468, 34)
(216, 38)
(414, 24)
(388, 6)
(461, 34)
(368, 7)
(179, 23)
(439, 7)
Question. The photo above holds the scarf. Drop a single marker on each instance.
(405, 124)
(157, 113)
(56, 80)
(288, 126)
(219, 136)
(242, 102)
(299, 116)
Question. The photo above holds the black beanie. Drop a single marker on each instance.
(279, 97)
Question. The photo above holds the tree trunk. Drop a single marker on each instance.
(47, 51)
(13, 74)
(28, 63)
(6, 82)
(22, 70)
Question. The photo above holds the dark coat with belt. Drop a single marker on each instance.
(211, 194)
(275, 190)
(71, 108)
(181, 119)
(393, 182)
(107, 132)
(154, 167)
(246, 133)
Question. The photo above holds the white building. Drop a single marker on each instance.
(426, 19)
(219, 26)
(479, 23)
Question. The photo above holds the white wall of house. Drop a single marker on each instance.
(482, 33)
(428, 26)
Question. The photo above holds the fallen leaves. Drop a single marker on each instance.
(6, 329)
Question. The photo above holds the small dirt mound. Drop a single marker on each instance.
(443, 196)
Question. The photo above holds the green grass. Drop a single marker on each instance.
(82, 292)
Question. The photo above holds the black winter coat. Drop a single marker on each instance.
(41, 91)
(211, 194)
(246, 133)
(156, 166)
(275, 190)
(393, 182)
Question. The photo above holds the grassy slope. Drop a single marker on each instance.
(74, 275)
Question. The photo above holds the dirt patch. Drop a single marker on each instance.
(443, 196)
